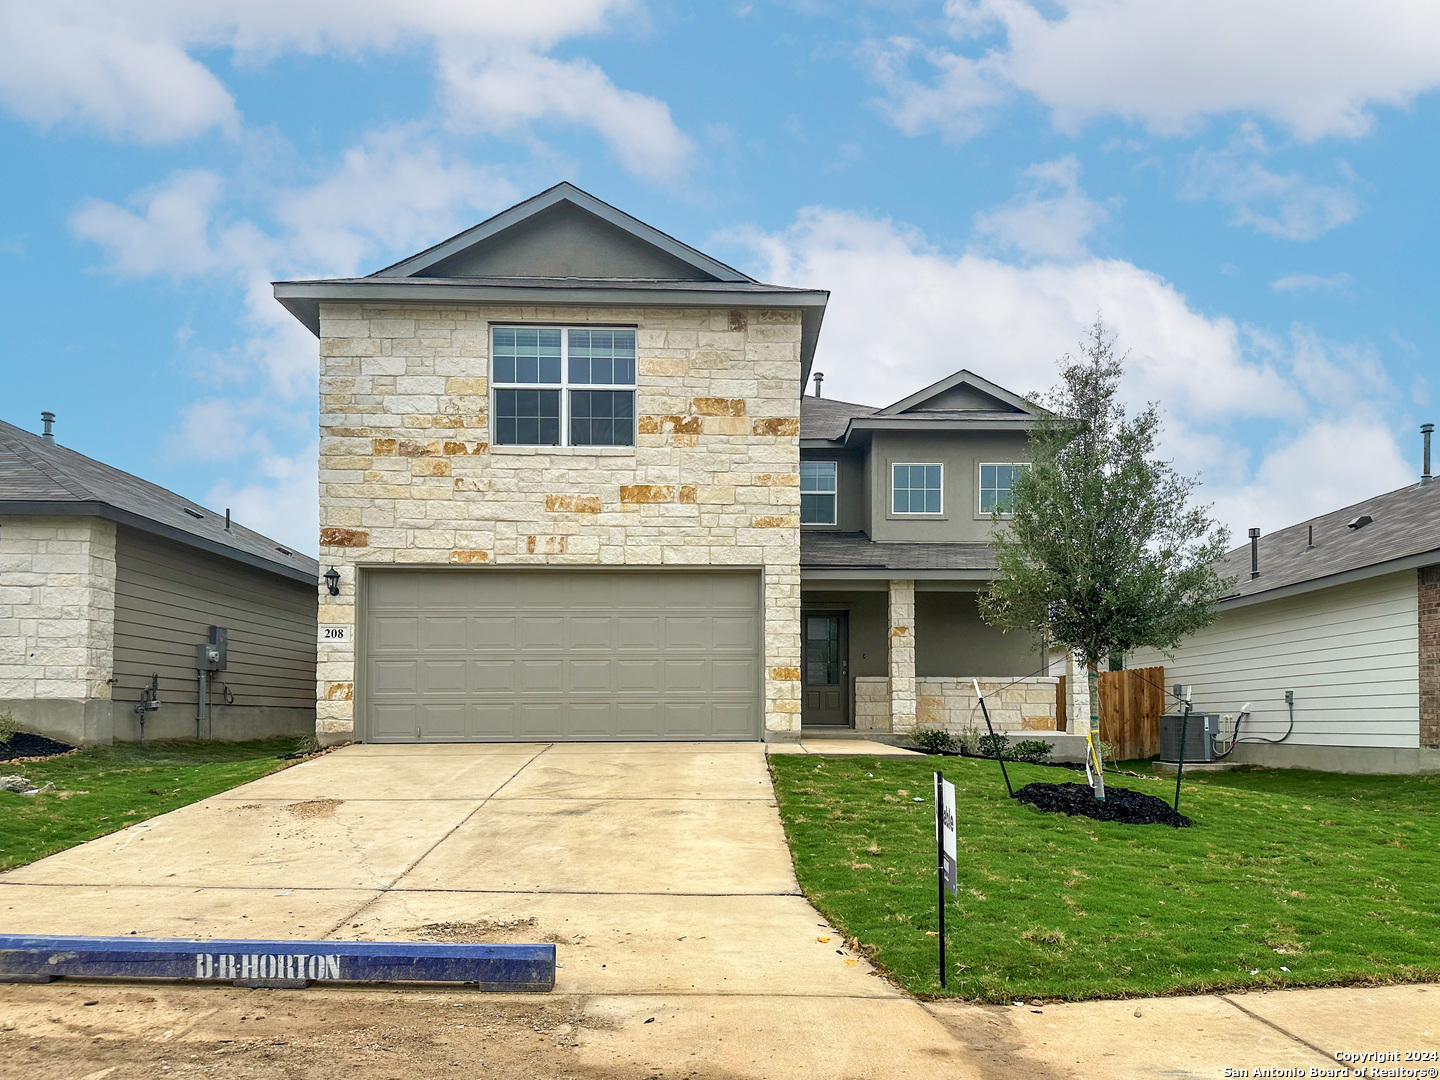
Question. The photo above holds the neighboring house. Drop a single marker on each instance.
(561, 484)
(1341, 613)
(107, 581)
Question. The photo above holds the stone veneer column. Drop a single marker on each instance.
(902, 654)
(1077, 695)
(1429, 605)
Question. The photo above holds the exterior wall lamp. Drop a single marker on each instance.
(332, 581)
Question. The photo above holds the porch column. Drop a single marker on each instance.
(902, 655)
(1077, 695)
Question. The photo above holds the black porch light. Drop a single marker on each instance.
(332, 580)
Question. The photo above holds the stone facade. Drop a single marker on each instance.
(902, 654)
(872, 703)
(1016, 705)
(1429, 616)
(408, 474)
(57, 622)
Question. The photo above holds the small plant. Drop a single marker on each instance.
(1107, 750)
(969, 741)
(9, 727)
(1034, 751)
(934, 740)
(993, 746)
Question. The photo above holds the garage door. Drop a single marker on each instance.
(455, 656)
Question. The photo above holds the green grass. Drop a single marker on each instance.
(1328, 875)
(105, 788)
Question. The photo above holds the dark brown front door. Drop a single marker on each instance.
(825, 666)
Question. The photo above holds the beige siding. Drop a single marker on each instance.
(1350, 653)
(166, 598)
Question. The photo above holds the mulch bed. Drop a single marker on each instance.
(23, 746)
(1120, 804)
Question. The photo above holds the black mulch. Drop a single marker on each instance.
(24, 745)
(1120, 804)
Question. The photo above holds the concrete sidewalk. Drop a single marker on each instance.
(661, 872)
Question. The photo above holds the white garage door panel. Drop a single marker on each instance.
(453, 656)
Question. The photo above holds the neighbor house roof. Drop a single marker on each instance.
(963, 400)
(39, 476)
(850, 552)
(1403, 533)
(563, 246)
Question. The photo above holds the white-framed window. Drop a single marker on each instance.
(562, 386)
(997, 479)
(817, 493)
(915, 488)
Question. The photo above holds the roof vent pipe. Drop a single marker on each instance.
(1425, 430)
(48, 419)
(820, 377)
(1254, 554)
(1310, 542)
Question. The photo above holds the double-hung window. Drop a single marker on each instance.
(817, 493)
(915, 489)
(563, 386)
(996, 483)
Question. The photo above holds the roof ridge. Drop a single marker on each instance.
(40, 465)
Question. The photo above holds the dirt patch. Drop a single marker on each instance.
(22, 746)
(1120, 804)
(487, 931)
(315, 808)
(115, 1031)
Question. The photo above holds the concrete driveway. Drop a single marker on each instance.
(662, 874)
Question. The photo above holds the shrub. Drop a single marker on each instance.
(969, 741)
(1035, 751)
(934, 740)
(9, 728)
(992, 746)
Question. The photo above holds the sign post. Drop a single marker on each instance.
(946, 866)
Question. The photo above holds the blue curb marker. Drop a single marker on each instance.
(500, 968)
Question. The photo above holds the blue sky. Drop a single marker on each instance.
(1246, 192)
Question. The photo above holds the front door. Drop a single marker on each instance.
(824, 661)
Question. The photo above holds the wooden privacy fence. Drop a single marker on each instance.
(1130, 706)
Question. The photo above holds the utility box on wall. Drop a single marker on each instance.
(213, 655)
(1201, 730)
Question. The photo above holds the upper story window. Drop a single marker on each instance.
(915, 489)
(996, 482)
(563, 386)
(817, 493)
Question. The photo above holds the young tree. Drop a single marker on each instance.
(1099, 549)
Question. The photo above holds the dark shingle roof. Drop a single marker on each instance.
(45, 475)
(856, 551)
(1405, 523)
(826, 418)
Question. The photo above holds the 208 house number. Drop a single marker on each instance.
(335, 633)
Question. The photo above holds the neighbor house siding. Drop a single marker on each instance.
(166, 599)
(1350, 654)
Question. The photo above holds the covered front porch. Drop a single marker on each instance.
(880, 655)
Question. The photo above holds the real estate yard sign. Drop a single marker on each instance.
(946, 867)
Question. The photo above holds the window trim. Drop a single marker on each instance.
(916, 513)
(564, 386)
(980, 511)
(834, 493)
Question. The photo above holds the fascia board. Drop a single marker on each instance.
(143, 524)
(964, 376)
(861, 425)
(565, 192)
(1344, 577)
(882, 574)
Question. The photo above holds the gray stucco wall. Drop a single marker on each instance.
(166, 598)
(952, 640)
(961, 455)
(853, 510)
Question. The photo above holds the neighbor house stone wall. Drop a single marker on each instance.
(1429, 616)
(408, 474)
(57, 623)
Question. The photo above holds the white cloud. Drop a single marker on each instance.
(284, 505)
(1051, 218)
(1287, 206)
(507, 95)
(130, 70)
(1311, 282)
(903, 314)
(1316, 67)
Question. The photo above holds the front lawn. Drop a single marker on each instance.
(104, 788)
(1331, 877)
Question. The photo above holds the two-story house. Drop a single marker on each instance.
(561, 483)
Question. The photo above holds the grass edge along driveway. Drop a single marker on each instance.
(1287, 878)
(102, 789)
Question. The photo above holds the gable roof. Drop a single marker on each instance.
(1404, 532)
(962, 400)
(563, 246)
(39, 476)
